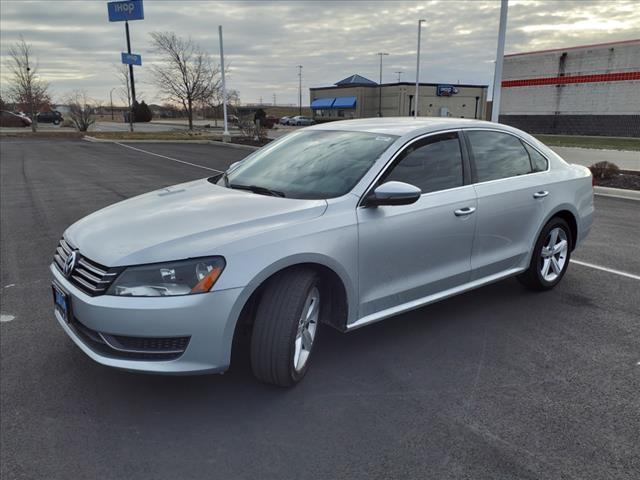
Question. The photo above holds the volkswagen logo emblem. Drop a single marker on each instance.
(70, 263)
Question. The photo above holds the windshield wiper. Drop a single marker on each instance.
(257, 189)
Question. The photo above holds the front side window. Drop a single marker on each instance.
(310, 164)
(498, 155)
(432, 164)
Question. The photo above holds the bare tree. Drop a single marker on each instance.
(26, 87)
(184, 74)
(124, 90)
(215, 101)
(82, 109)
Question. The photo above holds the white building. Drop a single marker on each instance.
(587, 90)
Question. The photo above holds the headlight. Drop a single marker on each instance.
(197, 275)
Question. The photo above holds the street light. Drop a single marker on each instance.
(299, 89)
(416, 102)
(497, 76)
(382, 54)
(399, 73)
(111, 101)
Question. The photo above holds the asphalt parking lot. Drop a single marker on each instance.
(499, 383)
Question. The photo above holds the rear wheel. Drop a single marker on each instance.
(286, 327)
(550, 257)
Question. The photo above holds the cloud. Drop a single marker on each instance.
(264, 41)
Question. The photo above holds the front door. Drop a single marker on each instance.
(412, 251)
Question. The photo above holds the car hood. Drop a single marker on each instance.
(187, 220)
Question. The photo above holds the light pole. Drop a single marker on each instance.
(225, 135)
(382, 54)
(399, 73)
(299, 89)
(111, 101)
(497, 76)
(416, 101)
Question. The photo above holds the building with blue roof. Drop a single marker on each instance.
(358, 97)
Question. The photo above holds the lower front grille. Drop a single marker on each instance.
(131, 348)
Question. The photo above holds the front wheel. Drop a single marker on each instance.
(286, 327)
(550, 257)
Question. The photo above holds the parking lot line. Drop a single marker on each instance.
(168, 158)
(606, 269)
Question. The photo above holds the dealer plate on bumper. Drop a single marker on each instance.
(61, 302)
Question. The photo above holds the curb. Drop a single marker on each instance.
(617, 193)
(91, 139)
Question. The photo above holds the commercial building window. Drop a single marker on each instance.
(432, 164)
(341, 113)
(498, 155)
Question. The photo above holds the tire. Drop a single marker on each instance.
(56, 122)
(280, 348)
(547, 268)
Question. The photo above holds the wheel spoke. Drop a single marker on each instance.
(312, 311)
(554, 238)
(545, 267)
(555, 265)
(307, 340)
(559, 247)
(297, 352)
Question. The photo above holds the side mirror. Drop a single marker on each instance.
(393, 193)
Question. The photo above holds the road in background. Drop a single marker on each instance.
(496, 383)
(625, 159)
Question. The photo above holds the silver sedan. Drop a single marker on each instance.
(343, 224)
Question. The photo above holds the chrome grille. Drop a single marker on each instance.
(89, 276)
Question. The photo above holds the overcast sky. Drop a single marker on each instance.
(77, 47)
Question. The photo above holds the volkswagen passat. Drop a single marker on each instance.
(343, 224)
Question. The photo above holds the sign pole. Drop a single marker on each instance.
(497, 76)
(225, 136)
(133, 85)
(416, 102)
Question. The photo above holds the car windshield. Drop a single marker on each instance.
(309, 164)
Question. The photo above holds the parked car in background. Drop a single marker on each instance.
(343, 224)
(54, 117)
(284, 120)
(10, 119)
(301, 121)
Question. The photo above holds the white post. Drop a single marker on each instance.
(225, 135)
(415, 100)
(497, 76)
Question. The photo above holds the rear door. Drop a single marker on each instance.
(510, 200)
(407, 252)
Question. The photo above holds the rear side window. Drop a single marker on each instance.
(498, 155)
(432, 164)
(538, 162)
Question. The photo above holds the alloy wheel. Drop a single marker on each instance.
(307, 328)
(554, 254)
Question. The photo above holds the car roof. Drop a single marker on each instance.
(402, 126)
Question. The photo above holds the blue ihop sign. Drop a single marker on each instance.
(131, 58)
(446, 90)
(128, 10)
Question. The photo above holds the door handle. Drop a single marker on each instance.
(540, 194)
(464, 211)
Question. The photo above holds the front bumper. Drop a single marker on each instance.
(207, 319)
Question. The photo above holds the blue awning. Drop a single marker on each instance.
(345, 102)
(320, 103)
